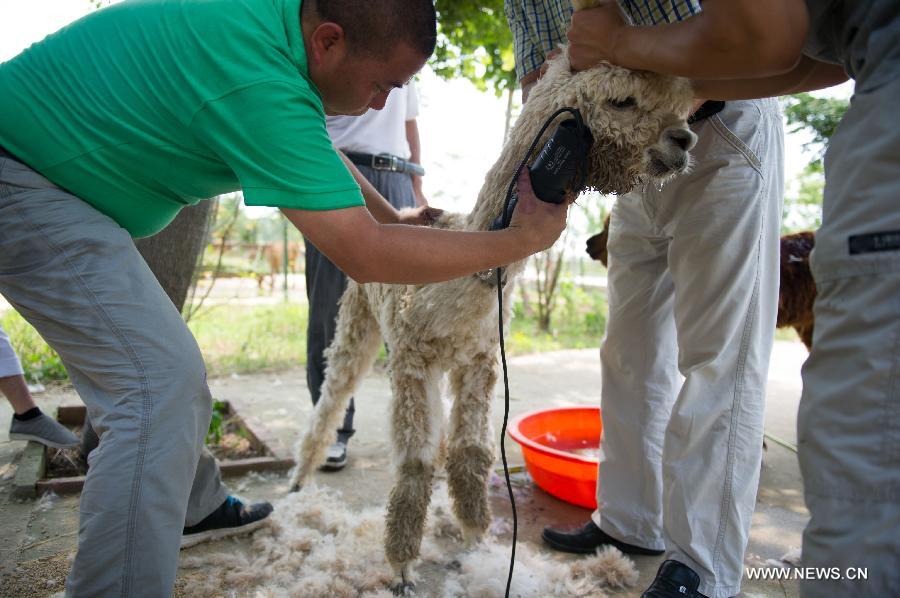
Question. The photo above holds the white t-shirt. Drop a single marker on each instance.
(378, 131)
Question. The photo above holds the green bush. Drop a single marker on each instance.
(578, 322)
(217, 423)
(40, 363)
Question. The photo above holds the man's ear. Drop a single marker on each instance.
(327, 43)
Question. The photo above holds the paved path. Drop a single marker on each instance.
(278, 404)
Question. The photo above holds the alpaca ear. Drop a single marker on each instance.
(582, 4)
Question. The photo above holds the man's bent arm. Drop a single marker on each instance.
(371, 252)
(808, 75)
(728, 39)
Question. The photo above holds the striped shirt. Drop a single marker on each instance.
(539, 26)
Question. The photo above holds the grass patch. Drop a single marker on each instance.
(787, 334)
(243, 339)
(578, 322)
(240, 339)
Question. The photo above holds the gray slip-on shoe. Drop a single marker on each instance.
(43, 429)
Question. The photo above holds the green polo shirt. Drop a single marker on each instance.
(147, 106)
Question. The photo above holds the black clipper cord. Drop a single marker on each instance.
(560, 168)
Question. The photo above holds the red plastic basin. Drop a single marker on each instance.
(548, 438)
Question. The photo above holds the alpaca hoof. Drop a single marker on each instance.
(402, 583)
(471, 537)
(403, 588)
(295, 488)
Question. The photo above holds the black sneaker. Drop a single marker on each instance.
(674, 580)
(588, 539)
(336, 457)
(231, 518)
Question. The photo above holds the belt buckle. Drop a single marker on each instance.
(384, 162)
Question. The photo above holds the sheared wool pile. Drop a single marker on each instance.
(314, 546)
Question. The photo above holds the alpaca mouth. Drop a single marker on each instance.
(660, 167)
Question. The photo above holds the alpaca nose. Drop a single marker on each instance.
(684, 139)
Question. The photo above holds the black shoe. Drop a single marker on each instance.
(588, 539)
(231, 518)
(336, 457)
(674, 580)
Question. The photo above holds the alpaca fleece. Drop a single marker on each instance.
(313, 546)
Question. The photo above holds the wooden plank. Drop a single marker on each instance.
(71, 485)
(71, 415)
(242, 466)
(31, 469)
(33, 466)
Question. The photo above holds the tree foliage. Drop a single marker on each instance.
(474, 42)
(819, 116)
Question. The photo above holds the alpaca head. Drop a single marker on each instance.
(638, 120)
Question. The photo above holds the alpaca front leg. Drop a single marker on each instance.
(349, 357)
(407, 511)
(416, 432)
(471, 451)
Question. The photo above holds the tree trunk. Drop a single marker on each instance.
(173, 254)
(509, 110)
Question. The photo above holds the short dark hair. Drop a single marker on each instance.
(377, 25)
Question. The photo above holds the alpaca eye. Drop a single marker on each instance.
(622, 104)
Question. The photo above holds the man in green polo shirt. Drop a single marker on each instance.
(108, 128)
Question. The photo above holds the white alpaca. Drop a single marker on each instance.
(638, 123)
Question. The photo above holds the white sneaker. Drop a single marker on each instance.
(336, 457)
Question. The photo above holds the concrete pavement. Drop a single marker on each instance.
(37, 536)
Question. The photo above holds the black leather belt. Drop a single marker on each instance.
(706, 109)
(385, 162)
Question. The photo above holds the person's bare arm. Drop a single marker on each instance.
(379, 207)
(415, 148)
(529, 81)
(371, 252)
(729, 39)
(808, 75)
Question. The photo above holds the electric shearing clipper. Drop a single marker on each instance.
(559, 168)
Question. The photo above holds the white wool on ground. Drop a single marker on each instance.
(314, 546)
(609, 568)
(792, 557)
(484, 571)
(47, 501)
(254, 479)
(500, 527)
(8, 471)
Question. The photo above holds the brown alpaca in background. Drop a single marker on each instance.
(797, 291)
